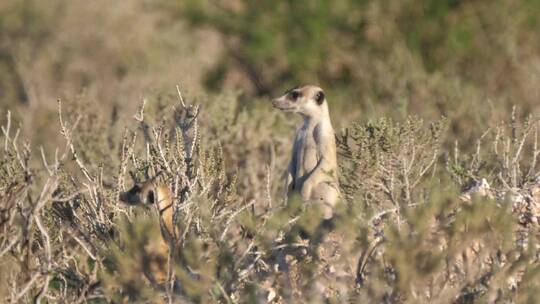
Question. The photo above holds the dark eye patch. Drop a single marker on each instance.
(150, 197)
(295, 95)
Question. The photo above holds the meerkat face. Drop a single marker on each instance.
(140, 193)
(307, 100)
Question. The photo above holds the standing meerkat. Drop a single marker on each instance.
(149, 193)
(313, 167)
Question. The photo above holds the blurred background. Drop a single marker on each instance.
(468, 60)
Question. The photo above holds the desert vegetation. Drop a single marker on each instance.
(435, 105)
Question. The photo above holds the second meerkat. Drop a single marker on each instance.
(313, 167)
(151, 193)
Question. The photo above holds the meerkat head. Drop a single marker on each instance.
(140, 194)
(147, 193)
(309, 101)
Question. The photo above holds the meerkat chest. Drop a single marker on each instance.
(307, 154)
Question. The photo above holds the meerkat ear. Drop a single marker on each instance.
(319, 97)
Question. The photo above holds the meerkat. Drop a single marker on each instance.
(313, 170)
(149, 193)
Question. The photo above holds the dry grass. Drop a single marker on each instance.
(418, 223)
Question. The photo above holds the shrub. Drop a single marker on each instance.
(417, 224)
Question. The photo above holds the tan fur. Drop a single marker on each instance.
(313, 167)
(150, 194)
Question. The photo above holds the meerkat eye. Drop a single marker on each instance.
(319, 97)
(295, 95)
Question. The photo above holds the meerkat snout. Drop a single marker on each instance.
(139, 194)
